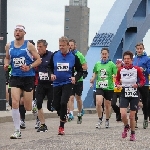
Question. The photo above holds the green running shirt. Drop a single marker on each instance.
(105, 74)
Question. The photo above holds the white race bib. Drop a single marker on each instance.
(62, 66)
(43, 76)
(18, 62)
(103, 84)
(131, 92)
(103, 74)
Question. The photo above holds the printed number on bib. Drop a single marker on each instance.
(62, 66)
(131, 92)
(18, 62)
(43, 76)
(103, 84)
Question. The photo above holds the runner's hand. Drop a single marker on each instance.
(135, 86)
(6, 67)
(119, 87)
(53, 77)
(73, 81)
(92, 80)
(25, 68)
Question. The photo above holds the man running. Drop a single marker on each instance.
(19, 54)
(61, 68)
(44, 87)
(143, 61)
(127, 79)
(78, 87)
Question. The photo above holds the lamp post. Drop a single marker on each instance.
(3, 40)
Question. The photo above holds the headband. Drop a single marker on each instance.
(20, 27)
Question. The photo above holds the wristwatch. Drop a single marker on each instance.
(30, 66)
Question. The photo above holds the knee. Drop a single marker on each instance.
(123, 115)
(78, 98)
(107, 104)
(71, 99)
(98, 104)
(132, 116)
(28, 109)
(15, 104)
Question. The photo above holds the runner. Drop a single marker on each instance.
(19, 54)
(143, 61)
(127, 79)
(61, 67)
(44, 87)
(102, 73)
(78, 87)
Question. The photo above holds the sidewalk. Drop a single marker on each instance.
(5, 116)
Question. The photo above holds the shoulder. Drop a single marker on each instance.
(56, 53)
(136, 67)
(147, 58)
(111, 63)
(49, 52)
(30, 46)
(98, 63)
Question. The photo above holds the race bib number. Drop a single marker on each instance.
(103, 84)
(131, 92)
(62, 66)
(43, 76)
(18, 62)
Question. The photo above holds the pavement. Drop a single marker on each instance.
(77, 136)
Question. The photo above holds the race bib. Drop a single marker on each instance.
(62, 66)
(43, 76)
(103, 74)
(103, 84)
(131, 92)
(18, 62)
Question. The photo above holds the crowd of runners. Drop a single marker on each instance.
(33, 73)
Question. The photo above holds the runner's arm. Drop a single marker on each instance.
(84, 65)
(51, 65)
(118, 77)
(78, 68)
(35, 55)
(141, 77)
(7, 57)
(147, 66)
(114, 69)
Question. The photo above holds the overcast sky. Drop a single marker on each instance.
(44, 19)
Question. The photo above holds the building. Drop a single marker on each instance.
(76, 23)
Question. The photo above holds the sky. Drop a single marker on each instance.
(44, 19)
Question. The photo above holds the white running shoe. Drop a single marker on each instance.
(16, 135)
(98, 125)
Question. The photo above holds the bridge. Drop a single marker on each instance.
(125, 25)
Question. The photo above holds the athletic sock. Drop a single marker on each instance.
(16, 118)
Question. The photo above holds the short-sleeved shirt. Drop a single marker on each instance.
(105, 74)
(81, 58)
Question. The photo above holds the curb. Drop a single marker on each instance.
(30, 116)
